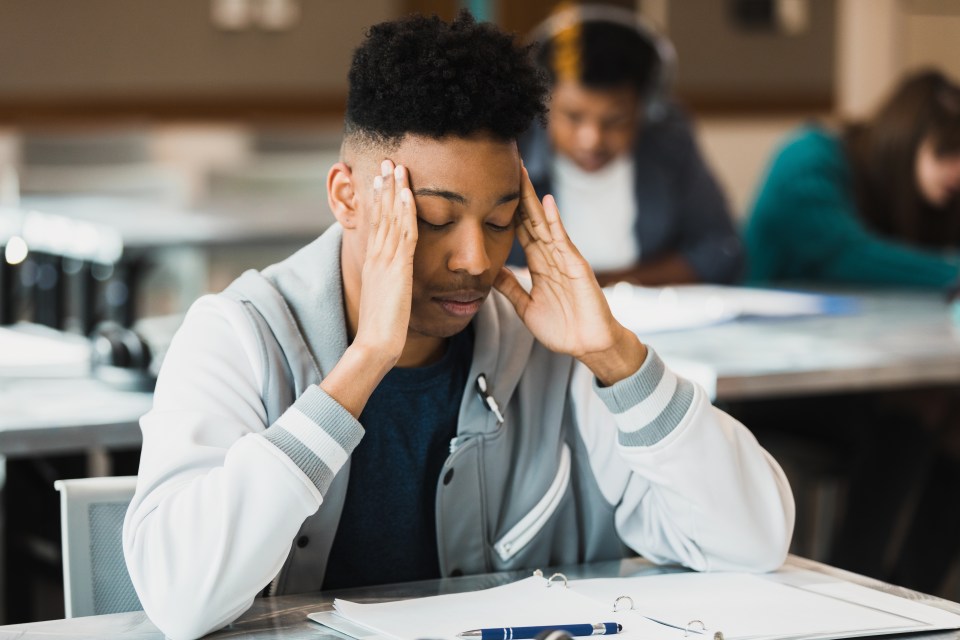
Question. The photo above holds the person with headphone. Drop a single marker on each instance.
(638, 199)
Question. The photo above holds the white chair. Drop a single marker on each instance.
(95, 578)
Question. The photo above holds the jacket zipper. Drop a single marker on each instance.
(531, 524)
(272, 587)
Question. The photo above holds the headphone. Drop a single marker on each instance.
(657, 93)
(121, 358)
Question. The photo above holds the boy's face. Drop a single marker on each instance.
(592, 127)
(466, 191)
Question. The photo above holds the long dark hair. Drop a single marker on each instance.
(883, 151)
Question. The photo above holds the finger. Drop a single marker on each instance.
(552, 214)
(386, 205)
(408, 224)
(374, 215)
(407, 208)
(391, 219)
(507, 284)
(531, 214)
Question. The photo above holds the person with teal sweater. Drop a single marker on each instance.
(876, 204)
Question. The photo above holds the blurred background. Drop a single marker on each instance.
(210, 124)
(152, 151)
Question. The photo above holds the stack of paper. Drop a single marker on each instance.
(646, 310)
(786, 605)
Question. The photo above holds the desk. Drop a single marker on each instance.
(898, 340)
(286, 616)
(178, 237)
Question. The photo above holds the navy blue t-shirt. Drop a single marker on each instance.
(387, 531)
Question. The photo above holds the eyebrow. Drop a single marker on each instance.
(458, 198)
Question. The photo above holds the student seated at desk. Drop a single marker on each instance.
(878, 203)
(482, 426)
(637, 197)
(875, 203)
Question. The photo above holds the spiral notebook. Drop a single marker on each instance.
(791, 604)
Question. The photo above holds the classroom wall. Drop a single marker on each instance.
(933, 35)
(728, 59)
(738, 150)
(170, 49)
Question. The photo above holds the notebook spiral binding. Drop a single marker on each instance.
(690, 628)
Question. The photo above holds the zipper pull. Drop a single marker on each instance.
(488, 400)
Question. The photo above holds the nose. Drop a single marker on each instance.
(589, 136)
(469, 252)
(953, 172)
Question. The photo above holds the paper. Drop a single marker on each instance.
(528, 602)
(646, 310)
(741, 606)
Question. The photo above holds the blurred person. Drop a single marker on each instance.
(637, 197)
(390, 404)
(877, 203)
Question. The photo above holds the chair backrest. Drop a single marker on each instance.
(95, 577)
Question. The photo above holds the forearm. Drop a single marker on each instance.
(200, 547)
(709, 497)
(221, 493)
(671, 268)
(692, 484)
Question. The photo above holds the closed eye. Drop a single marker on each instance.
(433, 227)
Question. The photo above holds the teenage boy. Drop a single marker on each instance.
(391, 404)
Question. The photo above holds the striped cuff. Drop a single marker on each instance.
(648, 405)
(317, 434)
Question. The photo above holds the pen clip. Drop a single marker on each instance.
(488, 400)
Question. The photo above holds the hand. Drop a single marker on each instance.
(565, 308)
(386, 288)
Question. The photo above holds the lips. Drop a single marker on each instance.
(460, 303)
(592, 162)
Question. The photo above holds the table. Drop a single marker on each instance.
(154, 233)
(286, 616)
(899, 339)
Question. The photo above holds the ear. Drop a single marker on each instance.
(342, 195)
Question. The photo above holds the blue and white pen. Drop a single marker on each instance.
(517, 633)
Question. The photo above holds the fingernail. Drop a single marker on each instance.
(398, 172)
(378, 182)
(385, 168)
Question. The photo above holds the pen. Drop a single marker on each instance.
(516, 633)
(488, 399)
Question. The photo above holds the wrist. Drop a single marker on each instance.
(618, 362)
(369, 360)
(354, 378)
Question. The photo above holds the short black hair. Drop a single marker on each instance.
(608, 55)
(421, 75)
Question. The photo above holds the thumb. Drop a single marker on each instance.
(507, 284)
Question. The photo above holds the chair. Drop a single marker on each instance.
(95, 578)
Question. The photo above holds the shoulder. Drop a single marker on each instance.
(811, 146)
(216, 328)
(669, 141)
(673, 127)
